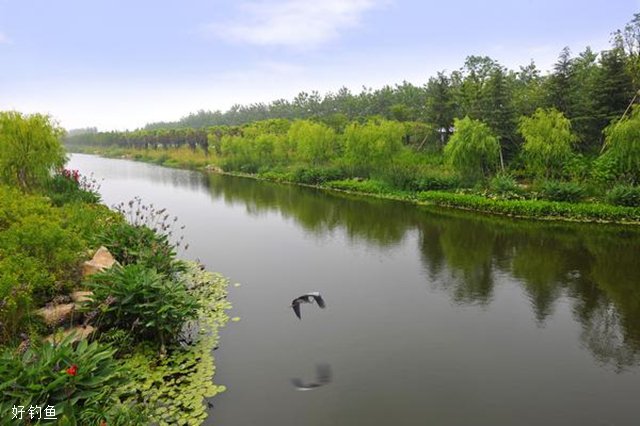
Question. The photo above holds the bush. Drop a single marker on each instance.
(562, 191)
(624, 195)
(505, 186)
(533, 208)
(435, 181)
(47, 249)
(68, 186)
(364, 186)
(142, 300)
(145, 238)
(131, 244)
(317, 175)
(79, 381)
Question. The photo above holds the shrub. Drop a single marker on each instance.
(435, 181)
(533, 208)
(562, 191)
(140, 299)
(68, 186)
(365, 186)
(131, 244)
(51, 250)
(624, 195)
(317, 175)
(145, 238)
(505, 186)
(77, 380)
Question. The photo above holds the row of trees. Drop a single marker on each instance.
(590, 89)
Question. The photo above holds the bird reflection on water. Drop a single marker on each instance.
(323, 377)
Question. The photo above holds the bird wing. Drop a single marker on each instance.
(319, 300)
(296, 309)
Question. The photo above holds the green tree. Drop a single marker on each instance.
(371, 145)
(315, 142)
(30, 148)
(622, 145)
(473, 150)
(547, 142)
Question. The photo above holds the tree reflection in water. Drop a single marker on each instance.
(595, 267)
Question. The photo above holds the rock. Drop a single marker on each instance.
(101, 260)
(81, 296)
(80, 332)
(57, 314)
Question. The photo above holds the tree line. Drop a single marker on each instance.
(589, 88)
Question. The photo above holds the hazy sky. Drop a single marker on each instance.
(120, 64)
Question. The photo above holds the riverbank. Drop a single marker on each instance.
(124, 335)
(489, 203)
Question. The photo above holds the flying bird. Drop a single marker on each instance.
(307, 298)
(323, 376)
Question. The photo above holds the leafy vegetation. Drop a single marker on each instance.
(162, 313)
(82, 382)
(473, 151)
(30, 149)
(624, 195)
(141, 300)
(547, 142)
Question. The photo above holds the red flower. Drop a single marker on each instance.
(73, 370)
(103, 423)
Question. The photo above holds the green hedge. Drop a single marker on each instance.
(533, 208)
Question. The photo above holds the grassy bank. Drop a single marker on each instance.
(151, 320)
(496, 200)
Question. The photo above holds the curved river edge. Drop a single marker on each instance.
(519, 209)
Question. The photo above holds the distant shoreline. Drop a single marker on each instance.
(519, 209)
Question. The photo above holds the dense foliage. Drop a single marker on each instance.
(82, 382)
(473, 151)
(50, 222)
(30, 149)
(141, 300)
(547, 142)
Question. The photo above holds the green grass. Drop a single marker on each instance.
(536, 209)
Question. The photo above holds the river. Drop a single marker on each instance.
(433, 317)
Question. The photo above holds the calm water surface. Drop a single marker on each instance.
(433, 317)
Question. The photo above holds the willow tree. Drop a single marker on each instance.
(30, 148)
(622, 145)
(473, 150)
(547, 142)
(370, 146)
(316, 143)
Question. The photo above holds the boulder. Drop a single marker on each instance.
(80, 332)
(79, 297)
(101, 260)
(57, 314)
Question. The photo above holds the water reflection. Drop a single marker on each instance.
(594, 268)
(323, 378)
